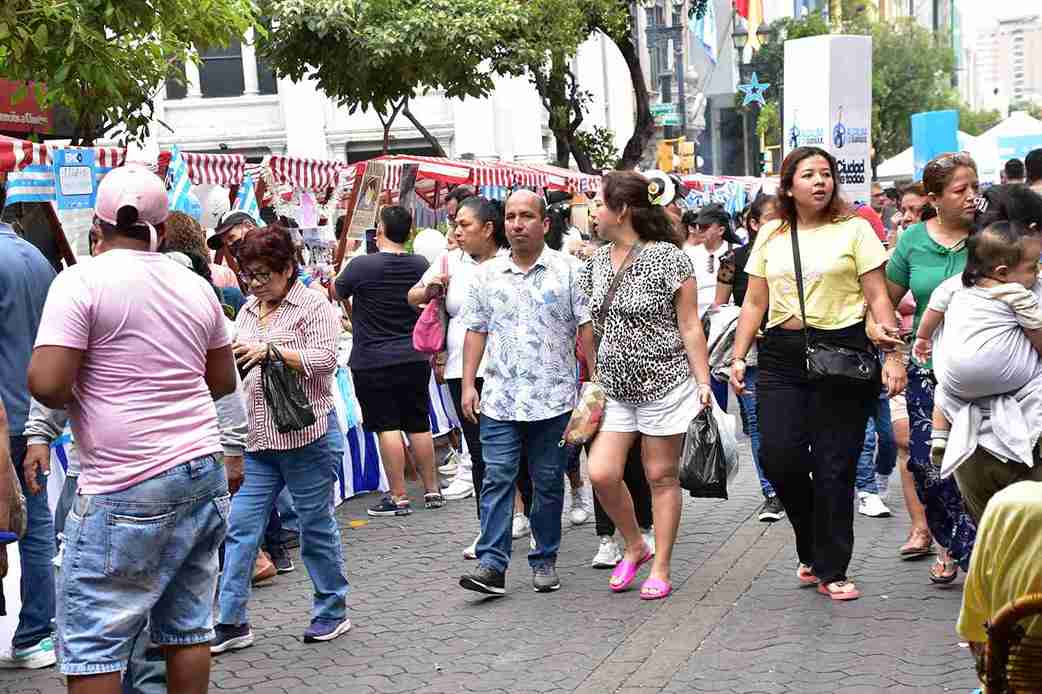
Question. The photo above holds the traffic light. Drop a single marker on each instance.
(686, 150)
(665, 155)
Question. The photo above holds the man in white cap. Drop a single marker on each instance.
(135, 347)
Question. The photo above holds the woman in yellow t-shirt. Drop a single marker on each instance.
(811, 431)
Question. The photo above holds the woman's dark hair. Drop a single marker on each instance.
(488, 211)
(560, 220)
(271, 246)
(1013, 202)
(755, 213)
(940, 171)
(1001, 243)
(837, 210)
(630, 189)
(689, 219)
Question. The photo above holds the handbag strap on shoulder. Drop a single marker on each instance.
(609, 296)
(799, 283)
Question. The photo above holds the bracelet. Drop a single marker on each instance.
(738, 359)
(926, 339)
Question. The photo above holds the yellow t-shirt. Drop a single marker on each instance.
(833, 257)
(1005, 563)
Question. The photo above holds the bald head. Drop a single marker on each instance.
(528, 197)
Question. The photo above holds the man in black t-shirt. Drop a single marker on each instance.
(391, 378)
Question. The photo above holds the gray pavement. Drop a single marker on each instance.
(737, 621)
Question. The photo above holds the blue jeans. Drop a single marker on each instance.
(148, 552)
(747, 407)
(501, 444)
(720, 389)
(35, 552)
(308, 474)
(879, 453)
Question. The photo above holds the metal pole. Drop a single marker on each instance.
(678, 65)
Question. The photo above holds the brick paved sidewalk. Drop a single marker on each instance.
(736, 623)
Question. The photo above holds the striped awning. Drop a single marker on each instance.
(310, 174)
(30, 177)
(205, 168)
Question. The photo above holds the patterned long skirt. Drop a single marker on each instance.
(949, 523)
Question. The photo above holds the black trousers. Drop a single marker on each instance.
(472, 433)
(811, 434)
(640, 490)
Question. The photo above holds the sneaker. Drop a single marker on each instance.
(871, 505)
(484, 580)
(608, 553)
(471, 552)
(290, 539)
(531, 542)
(772, 510)
(280, 557)
(458, 489)
(544, 579)
(451, 464)
(228, 637)
(883, 484)
(326, 630)
(580, 512)
(521, 526)
(39, 655)
(263, 568)
(649, 538)
(389, 507)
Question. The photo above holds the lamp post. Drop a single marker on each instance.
(674, 33)
(740, 38)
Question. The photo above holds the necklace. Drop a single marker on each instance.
(264, 315)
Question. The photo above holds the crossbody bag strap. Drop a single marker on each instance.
(799, 283)
(609, 296)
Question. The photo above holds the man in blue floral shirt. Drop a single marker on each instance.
(524, 314)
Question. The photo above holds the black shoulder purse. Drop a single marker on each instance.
(828, 361)
(289, 406)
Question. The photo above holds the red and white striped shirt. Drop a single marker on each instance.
(305, 323)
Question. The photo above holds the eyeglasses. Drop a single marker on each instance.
(249, 278)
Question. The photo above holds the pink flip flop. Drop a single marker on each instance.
(627, 571)
(662, 589)
(806, 576)
(844, 590)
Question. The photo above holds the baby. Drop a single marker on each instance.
(992, 321)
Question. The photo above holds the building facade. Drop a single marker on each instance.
(1007, 64)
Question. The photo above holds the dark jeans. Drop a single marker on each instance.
(472, 433)
(811, 435)
(35, 552)
(637, 482)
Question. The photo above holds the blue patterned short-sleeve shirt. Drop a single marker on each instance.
(531, 319)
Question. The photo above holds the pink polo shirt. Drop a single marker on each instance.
(140, 402)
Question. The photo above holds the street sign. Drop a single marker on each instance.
(663, 109)
(668, 119)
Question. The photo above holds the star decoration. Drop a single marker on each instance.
(754, 91)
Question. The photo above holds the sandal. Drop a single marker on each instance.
(840, 590)
(949, 570)
(662, 589)
(433, 500)
(806, 575)
(919, 544)
(624, 573)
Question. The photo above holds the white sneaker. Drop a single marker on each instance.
(451, 463)
(471, 552)
(649, 539)
(521, 526)
(580, 510)
(608, 553)
(883, 483)
(459, 489)
(531, 542)
(871, 505)
(39, 655)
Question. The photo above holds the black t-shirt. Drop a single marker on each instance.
(732, 272)
(381, 316)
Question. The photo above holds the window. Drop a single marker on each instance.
(220, 71)
(266, 82)
(658, 44)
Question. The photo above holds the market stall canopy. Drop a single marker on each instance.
(987, 148)
(902, 166)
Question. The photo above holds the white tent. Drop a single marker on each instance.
(902, 166)
(985, 148)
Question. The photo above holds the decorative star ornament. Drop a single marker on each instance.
(754, 91)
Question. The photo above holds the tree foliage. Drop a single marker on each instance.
(103, 60)
(598, 143)
(976, 122)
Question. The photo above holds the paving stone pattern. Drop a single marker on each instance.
(736, 623)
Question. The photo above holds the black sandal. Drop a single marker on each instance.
(433, 500)
(947, 564)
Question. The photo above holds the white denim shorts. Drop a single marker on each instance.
(898, 408)
(669, 415)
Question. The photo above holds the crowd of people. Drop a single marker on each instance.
(905, 333)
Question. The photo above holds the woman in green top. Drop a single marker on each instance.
(927, 254)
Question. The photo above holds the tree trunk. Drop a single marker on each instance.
(388, 121)
(439, 151)
(644, 128)
(582, 159)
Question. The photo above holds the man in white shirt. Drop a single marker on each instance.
(713, 225)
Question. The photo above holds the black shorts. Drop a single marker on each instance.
(394, 398)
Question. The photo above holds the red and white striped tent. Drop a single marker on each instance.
(204, 168)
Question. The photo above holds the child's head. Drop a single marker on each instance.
(1004, 252)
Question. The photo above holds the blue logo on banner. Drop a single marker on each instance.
(75, 183)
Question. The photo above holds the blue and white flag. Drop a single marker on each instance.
(35, 183)
(178, 184)
(704, 28)
(246, 199)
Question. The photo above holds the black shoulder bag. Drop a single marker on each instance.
(827, 360)
(289, 406)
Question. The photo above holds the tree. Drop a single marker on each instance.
(976, 122)
(104, 60)
(1032, 108)
(379, 54)
(599, 146)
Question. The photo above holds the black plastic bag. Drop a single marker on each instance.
(289, 406)
(703, 462)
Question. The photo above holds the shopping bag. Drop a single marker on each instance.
(289, 406)
(586, 417)
(709, 458)
(428, 335)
